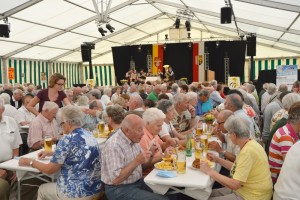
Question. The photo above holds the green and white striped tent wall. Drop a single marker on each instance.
(104, 75)
(71, 71)
(29, 71)
(268, 64)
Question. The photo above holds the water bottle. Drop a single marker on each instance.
(188, 147)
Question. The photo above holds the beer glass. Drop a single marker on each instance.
(101, 127)
(48, 143)
(181, 161)
(209, 130)
(199, 130)
(96, 133)
(204, 143)
(198, 149)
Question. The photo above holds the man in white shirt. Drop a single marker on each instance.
(9, 110)
(16, 99)
(9, 147)
(106, 96)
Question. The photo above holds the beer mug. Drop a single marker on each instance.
(181, 161)
(198, 149)
(199, 130)
(96, 133)
(204, 143)
(48, 143)
(101, 127)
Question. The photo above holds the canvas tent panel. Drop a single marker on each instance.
(55, 13)
(41, 53)
(156, 25)
(259, 30)
(68, 41)
(8, 5)
(128, 36)
(291, 37)
(73, 57)
(9, 46)
(209, 5)
(296, 25)
(166, 8)
(278, 44)
(292, 2)
(103, 46)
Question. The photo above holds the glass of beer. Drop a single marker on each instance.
(101, 127)
(96, 133)
(199, 130)
(48, 143)
(204, 143)
(181, 161)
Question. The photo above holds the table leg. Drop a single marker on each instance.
(19, 189)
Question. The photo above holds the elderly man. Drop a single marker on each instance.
(136, 103)
(106, 96)
(234, 103)
(154, 94)
(204, 104)
(122, 163)
(44, 124)
(283, 139)
(23, 118)
(231, 149)
(183, 119)
(90, 121)
(250, 177)
(9, 147)
(10, 110)
(16, 99)
(265, 99)
(76, 159)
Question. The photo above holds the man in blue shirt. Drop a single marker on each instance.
(203, 104)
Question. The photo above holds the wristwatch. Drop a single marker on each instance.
(31, 162)
(222, 153)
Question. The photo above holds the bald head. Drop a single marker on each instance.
(132, 126)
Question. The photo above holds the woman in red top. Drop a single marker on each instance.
(54, 93)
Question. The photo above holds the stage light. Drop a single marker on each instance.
(190, 44)
(140, 48)
(188, 25)
(166, 37)
(110, 28)
(165, 46)
(177, 23)
(189, 35)
(102, 31)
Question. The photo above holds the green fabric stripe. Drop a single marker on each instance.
(39, 72)
(20, 72)
(287, 61)
(259, 66)
(25, 68)
(47, 74)
(30, 69)
(15, 71)
(272, 64)
(43, 70)
(96, 75)
(266, 64)
(35, 69)
(101, 77)
(109, 74)
(294, 61)
(105, 75)
(279, 62)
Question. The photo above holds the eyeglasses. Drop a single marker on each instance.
(60, 84)
(220, 123)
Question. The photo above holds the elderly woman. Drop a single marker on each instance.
(154, 119)
(76, 158)
(168, 131)
(250, 174)
(114, 117)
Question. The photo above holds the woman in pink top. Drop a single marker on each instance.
(55, 93)
(154, 119)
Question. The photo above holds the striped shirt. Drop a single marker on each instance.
(118, 152)
(282, 141)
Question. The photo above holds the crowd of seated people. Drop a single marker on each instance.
(147, 120)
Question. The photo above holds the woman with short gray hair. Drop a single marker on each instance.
(76, 159)
(250, 174)
(154, 119)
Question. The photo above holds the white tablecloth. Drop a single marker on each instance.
(196, 184)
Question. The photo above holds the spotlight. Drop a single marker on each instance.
(102, 31)
(188, 25)
(189, 35)
(217, 44)
(190, 44)
(165, 46)
(140, 48)
(110, 28)
(166, 37)
(177, 23)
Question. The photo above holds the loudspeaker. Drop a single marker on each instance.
(225, 15)
(85, 53)
(4, 30)
(251, 45)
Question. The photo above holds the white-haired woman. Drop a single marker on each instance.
(250, 175)
(106, 96)
(76, 158)
(154, 119)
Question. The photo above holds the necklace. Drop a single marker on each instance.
(245, 143)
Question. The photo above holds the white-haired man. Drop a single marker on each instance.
(16, 99)
(106, 96)
(9, 147)
(10, 110)
(44, 124)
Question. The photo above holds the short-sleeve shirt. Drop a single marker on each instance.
(251, 168)
(166, 129)
(282, 141)
(79, 155)
(182, 122)
(10, 138)
(118, 152)
(43, 96)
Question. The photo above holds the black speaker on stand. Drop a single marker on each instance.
(226, 15)
(251, 45)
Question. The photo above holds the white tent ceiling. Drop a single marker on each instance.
(54, 29)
